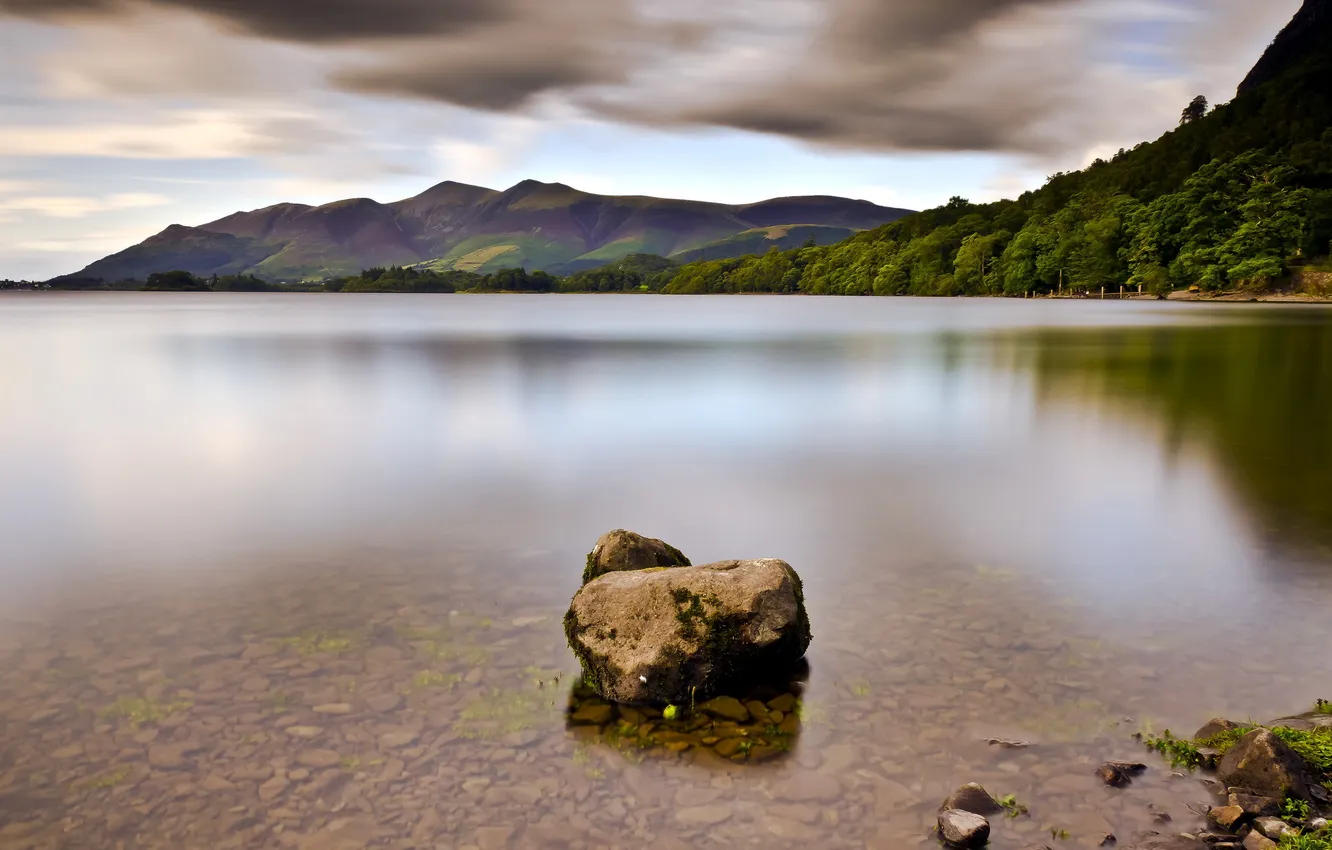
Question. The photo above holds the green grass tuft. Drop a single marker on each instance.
(1318, 841)
(1180, 752)
(1294, 810)
(1314, 746)
(1012, 807)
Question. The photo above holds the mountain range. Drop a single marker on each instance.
(538, 226)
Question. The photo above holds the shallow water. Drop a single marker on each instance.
(288, 571)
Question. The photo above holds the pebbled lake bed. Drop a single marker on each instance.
(289, 571)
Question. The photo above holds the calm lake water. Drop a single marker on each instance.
(288, 571)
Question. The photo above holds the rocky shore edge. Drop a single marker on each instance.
(1271, 784)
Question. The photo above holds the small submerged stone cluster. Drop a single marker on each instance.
(749, 731)
(683, 657)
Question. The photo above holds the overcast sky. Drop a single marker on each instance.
(119, 117)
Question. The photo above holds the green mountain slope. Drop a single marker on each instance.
(454, 226)
(1238, 197)
(762, 239)
(200, 252)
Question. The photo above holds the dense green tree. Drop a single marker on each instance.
(242, 283)
(518, 280)
(1195, 111)
(175, 281)
(635, 273)
(399, 279)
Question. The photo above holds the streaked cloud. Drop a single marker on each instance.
(1038, 77)
(73, 206)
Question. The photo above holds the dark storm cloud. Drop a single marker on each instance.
(913, 74)
(912, 22)
(868, 61)
(294, 20)
(498, 83)
(814, 118)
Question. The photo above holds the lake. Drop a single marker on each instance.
(289, 571)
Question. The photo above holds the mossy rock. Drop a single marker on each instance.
(682, 635)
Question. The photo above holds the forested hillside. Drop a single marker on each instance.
(1234, 197)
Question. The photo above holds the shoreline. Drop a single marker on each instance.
(1175, 297)
(1271, 784)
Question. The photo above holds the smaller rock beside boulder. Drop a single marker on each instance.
(963, 829)
(1262, 763)
(1117, 774)
(1275, 828)
(1307, 722)
(1227, 817)
(972, 798)
(1255, 805)
(621, 551)
(1257, 841)
(1214, 727)
(727, 708)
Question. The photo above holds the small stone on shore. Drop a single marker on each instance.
(1257, 841)
(1274, 828)
(963, 829)
(1227, 817)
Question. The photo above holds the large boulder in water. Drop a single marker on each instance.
(663, 636)
(1262, 763)
(620, 551)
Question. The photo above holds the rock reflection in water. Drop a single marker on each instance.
(761, 724)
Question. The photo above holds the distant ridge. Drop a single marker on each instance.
(538, 226)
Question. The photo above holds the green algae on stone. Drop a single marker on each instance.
(107, 780)
(138, 710)
(318, 642)
(498, 713)
(435, 679)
